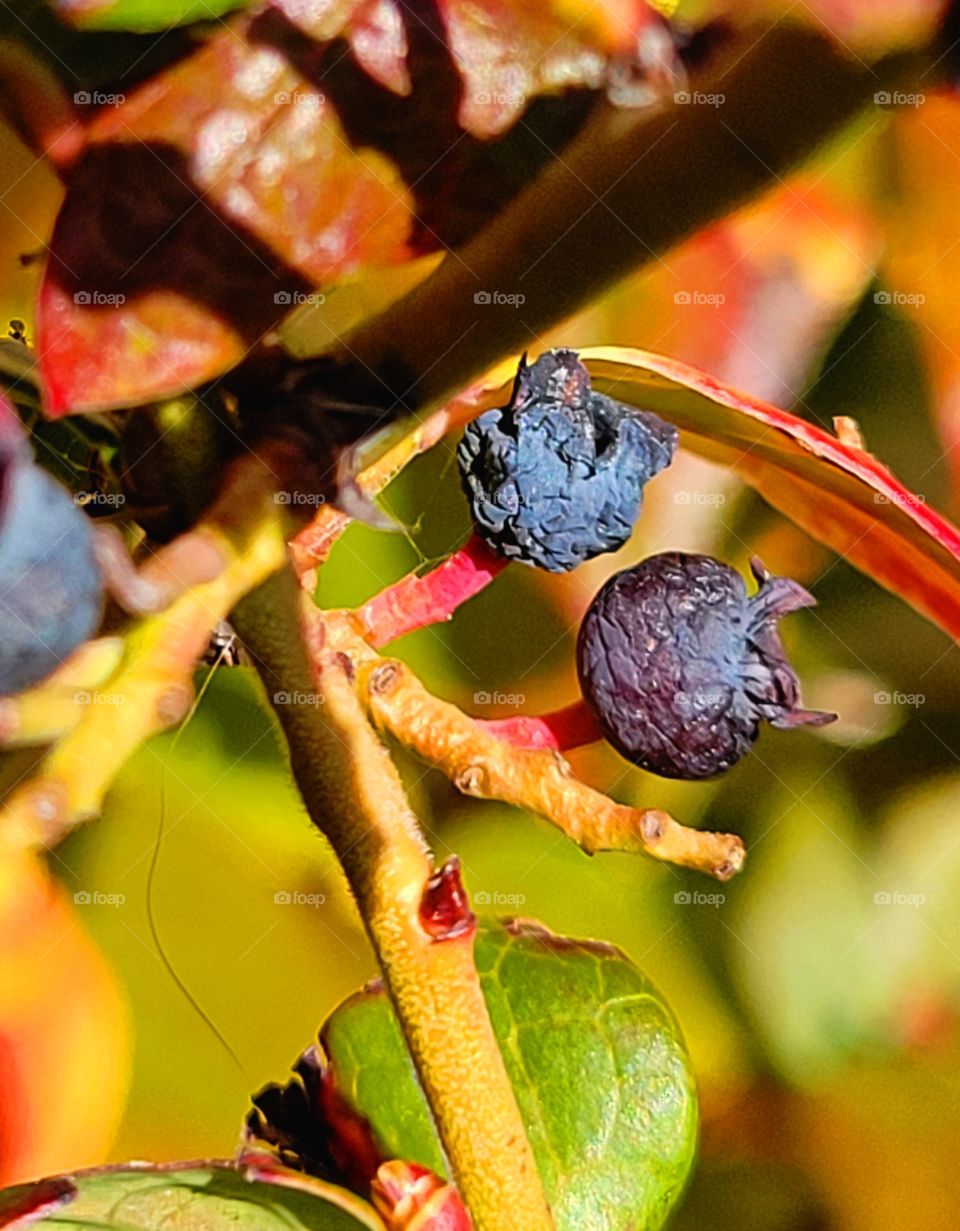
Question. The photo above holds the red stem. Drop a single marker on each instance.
(570, 727)
(414, 602)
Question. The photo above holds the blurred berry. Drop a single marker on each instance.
(557, 476)
(50, 587)
(679, 665)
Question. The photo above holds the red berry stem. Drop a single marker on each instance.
(570, 727)
(415, 602)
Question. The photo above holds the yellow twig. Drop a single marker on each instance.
(483, 766)
(355, 796)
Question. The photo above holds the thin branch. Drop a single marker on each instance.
(570, 727)
(538, 780)
(354, 795)
(418, 601)
(631, 186)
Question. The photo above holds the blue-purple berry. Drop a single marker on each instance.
(557, 476)
(680, 665)
(51, 593)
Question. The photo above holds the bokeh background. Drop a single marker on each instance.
(819, 991)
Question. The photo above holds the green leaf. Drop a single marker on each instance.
(597, 1063)
(141, 16)
(213, 1197)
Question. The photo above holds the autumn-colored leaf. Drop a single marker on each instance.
(211, 200)
(195, 218)
(839, 493)
(857, 25)
(923, 258)
(62, 1031)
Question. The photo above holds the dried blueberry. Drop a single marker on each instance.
(679, 665)
(50, 586)
(557, 476)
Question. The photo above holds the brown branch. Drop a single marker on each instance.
(630, 186)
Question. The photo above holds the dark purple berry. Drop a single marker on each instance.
(679, 665)
(50, 585)
(557, 476)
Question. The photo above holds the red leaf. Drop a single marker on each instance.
(211, 199)
(195, 217)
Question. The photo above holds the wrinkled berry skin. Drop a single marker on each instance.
(557, 476)
(679, 665)
(50, 585)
